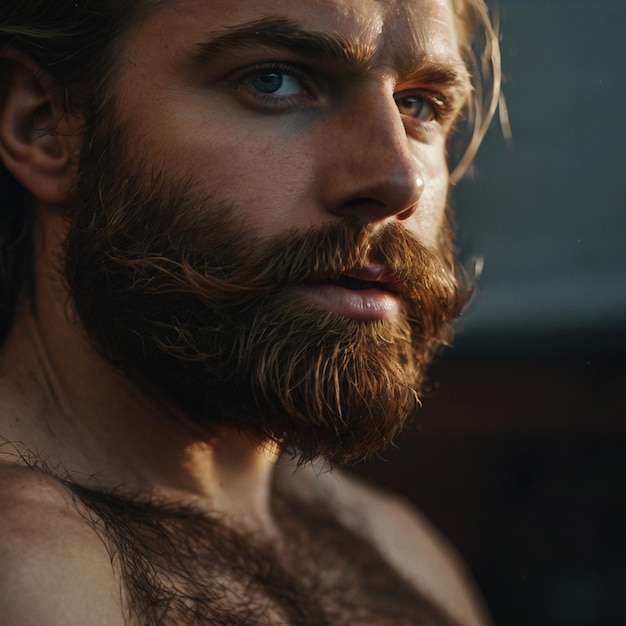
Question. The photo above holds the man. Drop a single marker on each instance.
(225, 235)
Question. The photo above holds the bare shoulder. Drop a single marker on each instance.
(55, 569)
(404, 537)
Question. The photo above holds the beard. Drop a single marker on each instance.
(178, 293)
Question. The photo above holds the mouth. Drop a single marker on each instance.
(371, 276)
(370, 292)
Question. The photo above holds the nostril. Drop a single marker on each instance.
(404, 215)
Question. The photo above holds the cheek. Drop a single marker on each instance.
(430, 216)
(269, 181)
(427, 221)
(270, 187)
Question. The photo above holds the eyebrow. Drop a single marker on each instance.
(289, 35)
(353, 55)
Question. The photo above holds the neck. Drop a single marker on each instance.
(67, 405)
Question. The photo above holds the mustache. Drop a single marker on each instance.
(217, 272)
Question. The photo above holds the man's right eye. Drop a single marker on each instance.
(274, 82)
(276, 86)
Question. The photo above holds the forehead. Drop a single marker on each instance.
(388, 29)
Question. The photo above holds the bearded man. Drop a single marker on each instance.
(225, 238)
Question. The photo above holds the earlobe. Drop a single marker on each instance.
(38, 136)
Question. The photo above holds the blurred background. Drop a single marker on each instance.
(520, 455)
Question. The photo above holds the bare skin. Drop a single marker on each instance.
(306, 161)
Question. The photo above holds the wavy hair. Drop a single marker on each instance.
(78, 41)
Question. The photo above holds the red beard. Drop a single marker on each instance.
(173, 290)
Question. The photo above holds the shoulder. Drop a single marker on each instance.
(55, 568)
(403, 536)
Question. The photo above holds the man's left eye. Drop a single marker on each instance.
(416, 107)
(274, 82)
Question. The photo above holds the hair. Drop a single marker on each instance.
(479, 44)
(78, 42)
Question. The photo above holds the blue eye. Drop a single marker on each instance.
(274, 82)
(416, 107)
(267, 82)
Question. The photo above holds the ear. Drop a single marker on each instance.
(38, 137)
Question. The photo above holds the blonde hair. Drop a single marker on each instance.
(480, 47)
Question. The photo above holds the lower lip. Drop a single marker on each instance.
(367, 304)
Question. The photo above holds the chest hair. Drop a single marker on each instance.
(180, 567)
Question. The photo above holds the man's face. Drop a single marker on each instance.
(295, 130)
(262, 215)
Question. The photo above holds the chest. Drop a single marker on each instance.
(176, 567)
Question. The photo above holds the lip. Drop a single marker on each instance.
(375, 295)
(378, 274)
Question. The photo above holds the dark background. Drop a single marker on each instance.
(520, 454)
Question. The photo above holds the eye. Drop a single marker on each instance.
(274, 82)
(417, 107)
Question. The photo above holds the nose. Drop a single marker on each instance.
(370, 171)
